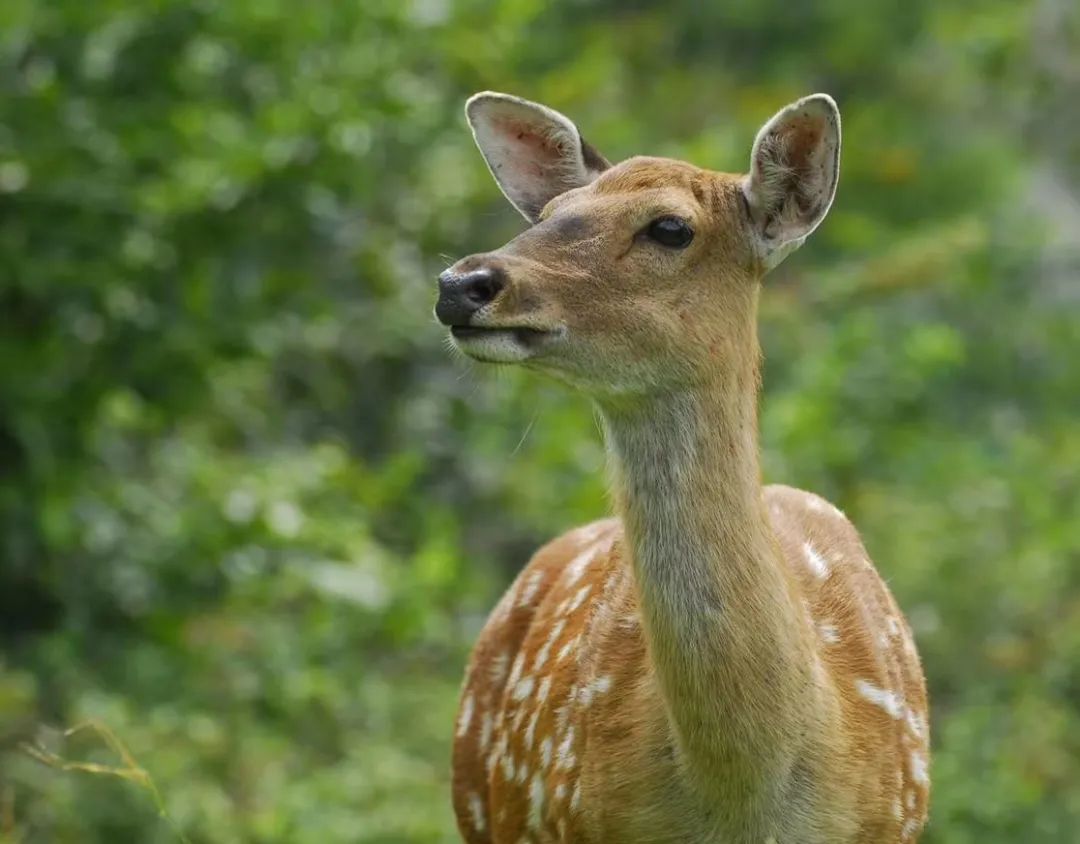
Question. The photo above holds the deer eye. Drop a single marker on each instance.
(672, 232)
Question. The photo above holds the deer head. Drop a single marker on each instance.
(638, 277)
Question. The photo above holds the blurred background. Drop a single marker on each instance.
(252, 514)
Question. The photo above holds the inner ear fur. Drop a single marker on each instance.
(533, 152)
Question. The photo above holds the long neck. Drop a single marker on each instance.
(723, 624)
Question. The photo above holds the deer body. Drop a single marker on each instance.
(721, 662)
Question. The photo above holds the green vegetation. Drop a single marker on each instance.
(251, 512)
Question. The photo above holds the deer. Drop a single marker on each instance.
(719, 661)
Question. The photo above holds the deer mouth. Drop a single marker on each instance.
(502, 344)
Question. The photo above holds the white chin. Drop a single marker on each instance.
(496, 345)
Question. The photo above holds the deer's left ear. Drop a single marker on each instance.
(794, 168)
(533, 152)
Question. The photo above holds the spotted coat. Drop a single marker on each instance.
(562, 735)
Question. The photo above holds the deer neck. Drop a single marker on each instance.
(722, 621)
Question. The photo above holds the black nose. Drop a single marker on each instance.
(462, 294)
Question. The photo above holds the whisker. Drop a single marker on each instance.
(528, 430)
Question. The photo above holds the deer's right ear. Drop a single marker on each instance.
(794, 167)
(533, 152)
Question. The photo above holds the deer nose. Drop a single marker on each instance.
(462, 294)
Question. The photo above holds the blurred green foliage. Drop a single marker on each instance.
(252, 514)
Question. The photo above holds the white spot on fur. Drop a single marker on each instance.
(576, 567)
(530, 730)
(508, 767)
(545, 752)
(531, 585)
(536, 800)
(524, 688)
(830, 635)
(515, 672)
(916, 724)
(910, 800)
(497, 752)
(465, 718)
(560, 791)
(597, 687)
(882, 698)
(578, 598)
(542, 692)
(562, 713)
(919, 772)
(498, 668)
(898, 810)
(565, 753)
(542, 654)
(575, 798)
(502, 610)
(910, 828)
(565, 650)
(591, 533)
(476, 809)
(818, 565)
(522, 773)
(894, 625)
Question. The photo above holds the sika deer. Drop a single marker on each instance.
(720, 663)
